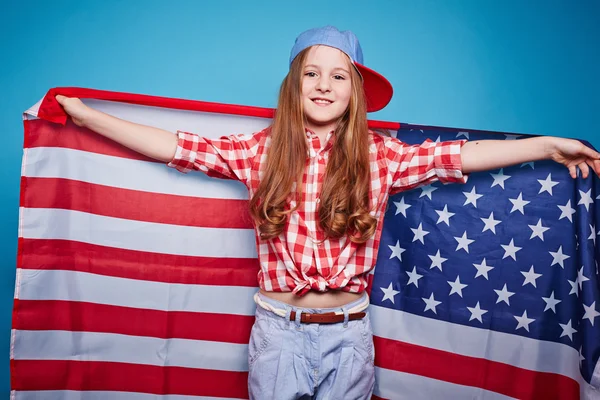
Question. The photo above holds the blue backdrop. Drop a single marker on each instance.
(508, 66)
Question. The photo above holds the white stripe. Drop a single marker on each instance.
(101, 289)
(399, 385)
(211, 125)
(49, 223)
(112, 347)
(522, 352)
(55, 162)
(100, 395)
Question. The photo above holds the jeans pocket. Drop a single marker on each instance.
(367, 337)
(260, 336)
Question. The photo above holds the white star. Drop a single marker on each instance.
(581, 357)
(427, 190)
(547, 184)
(431, 303)
(538, 230)
(419, 234)
(465, 134)
(482, 269)
(389, 293)
(437, 260)
(472, 197)
(490, 223)
(444, 215)
(438, 140)
(530, 163)
(476, 313)
(586, 199)
(581, 278)
(566, 211)
(510, 250)
(499, 178)
(519, 203)
(503, 295)
(559, 257)
(396, 251)
(551, 302)
(592, 234)
(523, 321)
(413, 277)
(463, 242)
(568, 330)
(573, 287)
(590, 312)
(530, 277)
(401, 207)
(511, 137)
(456, 286)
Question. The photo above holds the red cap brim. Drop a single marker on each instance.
(378, 90)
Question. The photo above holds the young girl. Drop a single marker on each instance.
(319, 182)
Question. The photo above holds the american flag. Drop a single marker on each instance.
(136, 282)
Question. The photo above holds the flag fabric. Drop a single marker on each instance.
(135, 281)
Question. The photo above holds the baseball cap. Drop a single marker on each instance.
(378, 90)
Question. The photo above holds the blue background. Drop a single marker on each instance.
(513, 66)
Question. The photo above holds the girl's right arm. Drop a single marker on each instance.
(153, 142)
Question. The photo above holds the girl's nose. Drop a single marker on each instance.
(323, 84)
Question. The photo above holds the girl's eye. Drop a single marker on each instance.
(310, 74)
(339, 77)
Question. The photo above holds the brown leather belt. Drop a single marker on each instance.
(326, 318)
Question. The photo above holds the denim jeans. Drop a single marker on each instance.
(292, 360)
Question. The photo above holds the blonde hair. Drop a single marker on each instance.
(344, 200)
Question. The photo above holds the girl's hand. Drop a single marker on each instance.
(75, 108)
(573, 154)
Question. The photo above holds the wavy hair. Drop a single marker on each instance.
(344, 205)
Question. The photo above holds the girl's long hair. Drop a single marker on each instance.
(344, 199)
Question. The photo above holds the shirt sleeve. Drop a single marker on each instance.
(412, 166)
(229, 157)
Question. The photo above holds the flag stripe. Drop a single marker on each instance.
(136, 205)
(99, 395)
(46, 315)
(53, 254)
(544, 356)
(400, 385)
(477, 372)
(54, 162)
(109, 376)
(48, 223)
(93, 288)
(110, 347)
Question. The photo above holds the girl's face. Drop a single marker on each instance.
(326, 87)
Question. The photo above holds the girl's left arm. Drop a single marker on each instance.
(483, 155)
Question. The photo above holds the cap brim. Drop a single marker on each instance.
(378, 90)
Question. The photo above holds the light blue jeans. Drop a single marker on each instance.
(290, 360)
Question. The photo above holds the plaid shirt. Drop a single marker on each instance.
(300, 259)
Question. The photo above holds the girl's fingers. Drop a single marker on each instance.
(585, 170)
(573, 171)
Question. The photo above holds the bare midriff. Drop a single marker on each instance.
(332, 298)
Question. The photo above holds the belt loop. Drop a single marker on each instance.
(288, 312)
(298, 319)
(346, 316)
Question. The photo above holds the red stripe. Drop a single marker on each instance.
(113, 376)
(471, 371)
(38, 315)
(125, 203)
(53, 254)
(52, 111)
(41, 133)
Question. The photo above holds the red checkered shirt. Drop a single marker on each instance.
(300, 259)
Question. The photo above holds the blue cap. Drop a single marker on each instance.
(378, 90)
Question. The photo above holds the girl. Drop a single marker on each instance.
(319, 182)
